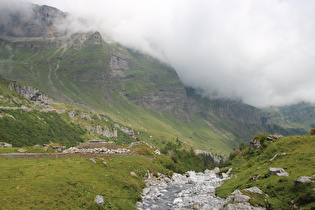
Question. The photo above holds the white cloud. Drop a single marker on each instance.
(259, 50)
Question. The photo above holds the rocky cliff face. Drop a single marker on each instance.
(30, 93)
(148, 83)
(33, 21)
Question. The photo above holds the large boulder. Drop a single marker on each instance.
(5, 145)
(237, 200)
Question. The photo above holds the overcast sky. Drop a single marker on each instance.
(262, 51)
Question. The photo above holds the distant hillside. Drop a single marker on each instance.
(27, 122)
(131, 88)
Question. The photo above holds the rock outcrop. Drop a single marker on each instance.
(33, 21)
(30, 93)
(238, 201)
(255, 143)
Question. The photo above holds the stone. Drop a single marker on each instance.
(229, 171)
(99, 200)
(93, 160)
(133, 173)
(273, 157)
(177, 201)
(283, 174)
(216, 170)
(303, 179)
(241, 206)
(241, 198)
(139, 205)
(179, 178)
(5, 145)
(254, 190)
(224, 176)
(146, 191)
(254, 145)
(276, 171)
(157, 152)
(21, 150)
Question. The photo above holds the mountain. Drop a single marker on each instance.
(131, 88)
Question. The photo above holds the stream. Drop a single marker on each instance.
(190, 191)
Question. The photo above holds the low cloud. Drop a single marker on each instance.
(261, 51)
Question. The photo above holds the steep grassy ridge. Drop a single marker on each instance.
(298, 160)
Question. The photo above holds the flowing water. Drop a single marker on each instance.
(191, 191)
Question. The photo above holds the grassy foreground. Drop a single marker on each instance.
(73, 183)
(295, 155)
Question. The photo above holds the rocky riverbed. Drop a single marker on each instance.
(189, 191)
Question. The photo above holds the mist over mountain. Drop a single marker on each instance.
(259, 51)
(63, 56)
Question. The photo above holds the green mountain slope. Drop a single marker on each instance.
(129, 87)
(294, 154)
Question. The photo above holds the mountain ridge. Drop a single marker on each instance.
(136, 89)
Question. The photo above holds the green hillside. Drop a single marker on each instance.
(140, 92)
(136, 91)
(294, 154)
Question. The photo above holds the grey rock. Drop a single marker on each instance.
(242, 206)
(5, 145)
(21, 150)
(224, 176)
(283, 174)
(216, 170)
(254, 145)
(99, 200)
(157, 152)
(254, 190)
(303, 179)
(229, 171)
(30, 93)
(241, 198)
(133, 173)
(277, 171)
